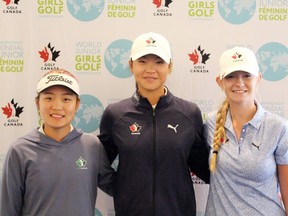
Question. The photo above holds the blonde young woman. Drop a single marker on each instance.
(249, 155)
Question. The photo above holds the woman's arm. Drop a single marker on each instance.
(11, 185)
(283, 180)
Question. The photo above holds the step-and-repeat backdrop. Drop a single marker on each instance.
(92, 38)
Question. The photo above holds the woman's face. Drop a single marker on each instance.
(150, 72)
(57, 106)
(240, 86)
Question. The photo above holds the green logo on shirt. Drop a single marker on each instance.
(81, 163)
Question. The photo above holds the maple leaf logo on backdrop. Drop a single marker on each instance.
(7, 110)
(45, 53)
(194, 56)
(14, 109)
(159, 2)
(9, 2)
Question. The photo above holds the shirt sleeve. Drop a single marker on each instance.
(281, 153)
(12, 185)
(199, 155)
(106, 175)
(105, 136)
(209, 126)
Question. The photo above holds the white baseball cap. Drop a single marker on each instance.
(58, 77)
(151, 43)
(238, 59)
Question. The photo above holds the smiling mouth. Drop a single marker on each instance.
(57, 116)
(150, 78)
(239, 91)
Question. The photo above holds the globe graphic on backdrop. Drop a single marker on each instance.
(85, 10)
(89, 114)
(273, 61)
(116, 58)
(236, 12)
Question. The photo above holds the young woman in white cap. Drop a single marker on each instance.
(158, 137)
(249, 154)
(55, 169)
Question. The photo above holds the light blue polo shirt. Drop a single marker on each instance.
(245, 181)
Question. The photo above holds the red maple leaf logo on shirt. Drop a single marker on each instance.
(135, 128)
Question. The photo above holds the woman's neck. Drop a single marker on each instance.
(152, 96)
(243, 113)
(57, 134)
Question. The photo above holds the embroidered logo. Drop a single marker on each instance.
(81, 163)
(237, 56)
(150, 41)
(257, 146)
(135, 128)
(172, 127)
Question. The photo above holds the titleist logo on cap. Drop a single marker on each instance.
(56, 77)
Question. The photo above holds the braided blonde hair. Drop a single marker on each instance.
(219, 135)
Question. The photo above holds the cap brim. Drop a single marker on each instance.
(151, 51)
(64, 80)
(249, 69)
